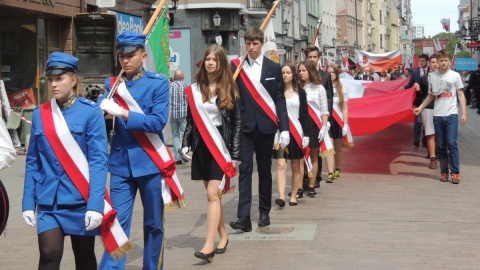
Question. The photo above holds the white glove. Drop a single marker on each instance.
(93, 219)
(284, 139)
(236, 163)
(322, 132)
(184, 153)
(345, 129)
(305, 142)
(328, 125)
(111, 107)
(29, 217)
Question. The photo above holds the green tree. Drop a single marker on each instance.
(463, 54)
(452, 41)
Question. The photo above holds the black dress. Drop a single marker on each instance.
(204, 166)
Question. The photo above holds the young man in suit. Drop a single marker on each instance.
(260, 115)
(415, 78)
(312, 53)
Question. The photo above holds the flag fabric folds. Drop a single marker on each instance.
(379, 61)
(374, 106)
(157, 46)
(445, 24)
(269, 48)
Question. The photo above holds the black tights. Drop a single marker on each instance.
(50, 244)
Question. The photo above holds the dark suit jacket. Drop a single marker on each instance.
(415, 78)
(423, 93)
(327, 84)
(252, 114)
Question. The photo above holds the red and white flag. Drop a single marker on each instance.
(379, 61)
(345, 64)
(445, 24)
(452, 65)
(375, 105)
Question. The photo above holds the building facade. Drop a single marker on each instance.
(418, 31)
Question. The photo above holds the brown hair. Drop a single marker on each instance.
(311, 48)
(312, 72)
(443, 54)
(295, 79)
(254, 33)
(336, 70)
(223, 77)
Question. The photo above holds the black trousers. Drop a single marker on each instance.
(262, 145)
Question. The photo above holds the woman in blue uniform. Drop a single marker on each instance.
(50, 186)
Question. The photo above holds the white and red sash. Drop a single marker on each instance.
(211, 137)
(172, 191)
(297, 133)
(258, 91)
(338, 116)
(326, 146)
(76, 166)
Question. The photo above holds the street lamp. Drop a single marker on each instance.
(463, 31)
(216, 22)
(373, 46)
(286, 26)
(305, 34)
(174, 5)
(334, 41)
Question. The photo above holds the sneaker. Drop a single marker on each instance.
(330, 178)
(455, 178)
(433, 163)
(311, 192)
(317, 184)
(444, 177)
(337, 173)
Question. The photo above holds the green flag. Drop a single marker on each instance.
(157, 46)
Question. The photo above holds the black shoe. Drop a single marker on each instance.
(416, 144)
(280, 202)
(427, 156)
(243, 224)
(206, 257)
(221, 250)
(311, 192)
(264, 220)
(317, 183)
(178, 162)
(299, 193)
(292, 203)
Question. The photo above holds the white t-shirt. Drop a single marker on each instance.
(213, 111)
(449, 83)
(294, 103)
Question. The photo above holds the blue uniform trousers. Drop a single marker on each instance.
(122, 193)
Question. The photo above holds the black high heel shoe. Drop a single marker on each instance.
(203, 256)
(221, 250)
(292, 203)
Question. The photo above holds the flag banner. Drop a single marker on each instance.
(269, 48)
(445, 24)
(379, 61)
(454, 58)
(374, 106)
(415, 61)
(345, 66)
(157, 46)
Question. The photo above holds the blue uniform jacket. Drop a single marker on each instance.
(127, 156)
(46, 182)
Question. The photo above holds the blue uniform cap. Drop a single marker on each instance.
(59, 63)
(128, 42)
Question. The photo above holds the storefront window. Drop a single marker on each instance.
(18, 54)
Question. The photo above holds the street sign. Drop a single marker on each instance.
(473, 44)
(281, 51)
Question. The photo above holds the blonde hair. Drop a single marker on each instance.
(78, 87)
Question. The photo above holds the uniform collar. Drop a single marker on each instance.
(134, 77)
(68, 103)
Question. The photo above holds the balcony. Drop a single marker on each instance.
(259, 5)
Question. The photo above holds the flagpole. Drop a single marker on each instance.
(317, 30)
(276, 4)
(146, 31)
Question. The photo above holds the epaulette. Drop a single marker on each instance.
(155, 75)
(88, 101)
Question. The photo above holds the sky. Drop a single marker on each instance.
(430, 12)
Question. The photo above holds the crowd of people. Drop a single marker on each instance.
(295, 113)
(384, 75)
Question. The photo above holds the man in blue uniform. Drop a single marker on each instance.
(130, 166)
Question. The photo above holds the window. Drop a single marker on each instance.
(381, 41)
(381, 19)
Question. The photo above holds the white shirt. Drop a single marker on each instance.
(294, 103)
(336, 99)
(213, 111)
(7, 151)
(449, 83)
(256, 65)
(317, 96)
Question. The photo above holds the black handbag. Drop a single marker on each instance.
(4, 207)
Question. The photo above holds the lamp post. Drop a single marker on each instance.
(174, 5)
(216, 22)
(286, 26)
(305, 34)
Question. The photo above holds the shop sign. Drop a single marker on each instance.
(126, 22)
(106, 3)
(43, 2)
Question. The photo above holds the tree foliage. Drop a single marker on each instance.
(452, 41)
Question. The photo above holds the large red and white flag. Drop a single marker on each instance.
(375, 105)
(379, 61)
(445, 24)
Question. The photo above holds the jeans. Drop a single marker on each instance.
(446, 130)
(178, 126)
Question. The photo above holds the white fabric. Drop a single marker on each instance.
(317, 98)
(427, 120)
(321, 134)
(111, 107)
(256, 66)
(213, 111)
(446, 85)
(29, 217)
(345, 129)
(294, 103)
(305, 142)
(284, 139)
(7, 151)
(336, 98)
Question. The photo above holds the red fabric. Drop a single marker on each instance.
(415, 61)
(382, 105)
